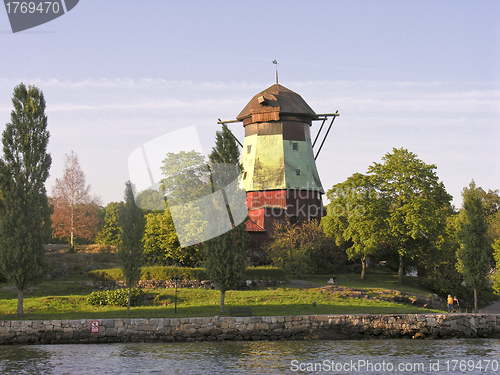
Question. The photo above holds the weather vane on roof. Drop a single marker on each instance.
(275, 62)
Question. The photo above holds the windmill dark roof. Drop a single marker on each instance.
(276, 103)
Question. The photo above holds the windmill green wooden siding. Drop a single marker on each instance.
(272, 164)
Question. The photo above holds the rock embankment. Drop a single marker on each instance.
(414, 326)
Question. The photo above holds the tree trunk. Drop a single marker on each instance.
(20, 300)
(128, 303)
(401, 269)
(222, 296)
(363, 267)
(475, 301)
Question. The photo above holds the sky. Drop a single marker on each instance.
(116, 74)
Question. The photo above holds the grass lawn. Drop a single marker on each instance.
(67, 300)
(64, 297)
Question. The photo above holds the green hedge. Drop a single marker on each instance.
(165, 273)
(265, 273)
(118, 297)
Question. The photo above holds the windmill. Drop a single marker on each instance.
(280, 176)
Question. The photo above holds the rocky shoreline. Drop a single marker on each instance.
(369, 326)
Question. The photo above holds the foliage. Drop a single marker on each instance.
(186, 177)
(265, 273)
(225, 255)
(303, 248)
(131, 249)
(165, 273)
(75, 210)
(150, 200)
(473, 261)
(161, 245)
(356, 215)
(491, 202)
(118, 297)
(110, 233)
(496, 278)
(442, 275)
(225, 259)
(24, 208)
(417, 203)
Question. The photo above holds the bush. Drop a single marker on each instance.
(265, 273)
(118, 297)
(111, 274)
(165, 273)
(152, 273)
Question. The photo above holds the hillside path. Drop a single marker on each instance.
(494, 308)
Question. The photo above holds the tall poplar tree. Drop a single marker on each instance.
(472, 234)
(131, 249)
(225, 255)
(24, 209)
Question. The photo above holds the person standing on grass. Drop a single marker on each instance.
(455, 299)
(450, 302)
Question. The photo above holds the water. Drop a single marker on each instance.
(261, 357)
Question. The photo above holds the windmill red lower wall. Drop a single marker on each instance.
(266, 207)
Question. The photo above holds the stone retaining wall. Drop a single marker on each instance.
(251, 328)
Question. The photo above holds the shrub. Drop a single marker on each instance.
(265, 273)
(165, 273)
(118, 297)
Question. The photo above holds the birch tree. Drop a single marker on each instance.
(75, 210)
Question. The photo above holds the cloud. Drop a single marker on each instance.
(104, 119)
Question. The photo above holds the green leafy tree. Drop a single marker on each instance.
(356, 215)
(24, 208)
(417, 203)
(225, 255)
(440, 265)
(110, 233)
(161, 245)
(225, 259)
(150, 200)
(491, 202)
(472, 229)
(496, 254)
(186, 177)
(131, 248)
(186, 182)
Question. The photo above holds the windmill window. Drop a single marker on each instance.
(249, 148)
(295, 147)
(297, 172)
(244, 175)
